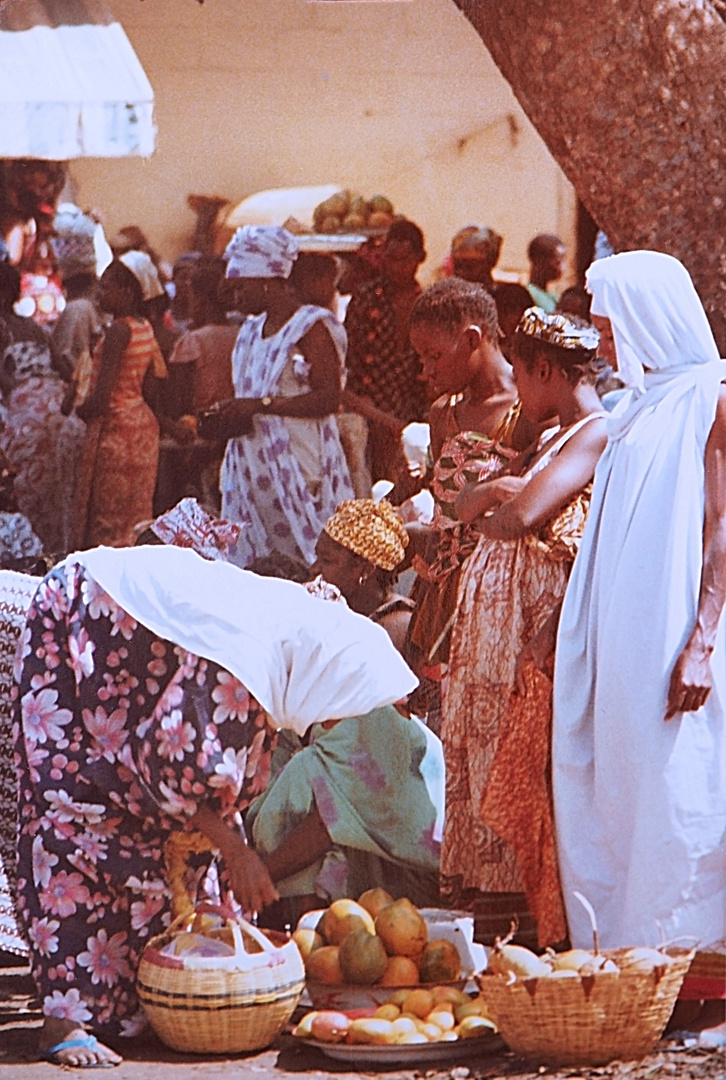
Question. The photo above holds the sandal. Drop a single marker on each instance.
(90, 1042)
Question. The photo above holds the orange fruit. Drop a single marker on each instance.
(400, 971)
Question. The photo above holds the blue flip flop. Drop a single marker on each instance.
(88, 1043)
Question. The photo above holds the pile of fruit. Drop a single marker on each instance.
(374, 941)
(411, 1017)
(350, 213)
(517, 963)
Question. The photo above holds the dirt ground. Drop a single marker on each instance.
(288, 1059)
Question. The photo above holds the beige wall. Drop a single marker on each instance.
(398, 98)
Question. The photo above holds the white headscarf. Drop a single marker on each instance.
(304, 661)
(143, 269)
(663, 340)
(657, 317)
(261, 251)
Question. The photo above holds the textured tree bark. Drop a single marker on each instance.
(630, 98)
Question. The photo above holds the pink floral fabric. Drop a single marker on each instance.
(119, 737)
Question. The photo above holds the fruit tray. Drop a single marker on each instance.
(412, 1055)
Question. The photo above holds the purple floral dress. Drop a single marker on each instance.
(285, 479)
(119, 737)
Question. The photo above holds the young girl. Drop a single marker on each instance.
(475, 425)
(530, 519)
(121, 449)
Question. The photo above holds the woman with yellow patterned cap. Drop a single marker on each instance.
(362, 804)
(358, 551)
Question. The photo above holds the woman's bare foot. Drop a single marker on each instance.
(88, 1054)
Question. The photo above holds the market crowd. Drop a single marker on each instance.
(476, 655)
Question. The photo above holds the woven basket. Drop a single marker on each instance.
(588, 1020)
(220, 1005)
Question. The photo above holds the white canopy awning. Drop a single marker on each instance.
(70, 84)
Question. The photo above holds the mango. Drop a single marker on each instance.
(371, 1032)
(440, 962)
(374, 901)
(329, 1027)
(402, 929)
(342, 917)
(363, 958)
(323, 966)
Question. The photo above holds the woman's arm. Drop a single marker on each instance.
(249, 880)
(323, 398)
(691, 680)
(365, 408)
(551, 489)
(478, 498)
(112, 352)
(308, 842)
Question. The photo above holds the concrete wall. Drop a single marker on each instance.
(398, 98)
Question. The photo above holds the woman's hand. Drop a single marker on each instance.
(228, 419)
(539, 651)
(249, 880)
(477, 498)
(691, 680)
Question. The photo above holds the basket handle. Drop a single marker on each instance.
(244, 960)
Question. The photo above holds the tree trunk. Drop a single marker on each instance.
(630, 98)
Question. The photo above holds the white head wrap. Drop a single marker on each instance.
(261, 251)
(657, 317)
(143, 269)
(304, 661)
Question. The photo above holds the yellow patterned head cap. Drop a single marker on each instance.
(370, 529)
(564, 331)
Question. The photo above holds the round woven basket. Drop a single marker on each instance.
(220, 1005)
(588, 1020)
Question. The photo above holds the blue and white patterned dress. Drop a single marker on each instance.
(285, 479)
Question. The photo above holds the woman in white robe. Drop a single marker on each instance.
(640, 677)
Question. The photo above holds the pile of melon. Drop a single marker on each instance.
(374, 941)
(348, 212)
(411, 1017)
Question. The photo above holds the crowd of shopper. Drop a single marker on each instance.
(535, 707)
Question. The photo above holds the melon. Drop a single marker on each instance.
(363, 958)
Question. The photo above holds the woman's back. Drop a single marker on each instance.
(137, 357)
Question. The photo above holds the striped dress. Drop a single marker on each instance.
(121, 450)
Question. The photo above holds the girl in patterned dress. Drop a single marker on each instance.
(512, 582)
(475, 425)
(121, 451)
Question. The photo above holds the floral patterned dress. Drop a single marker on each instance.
(120, 736)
